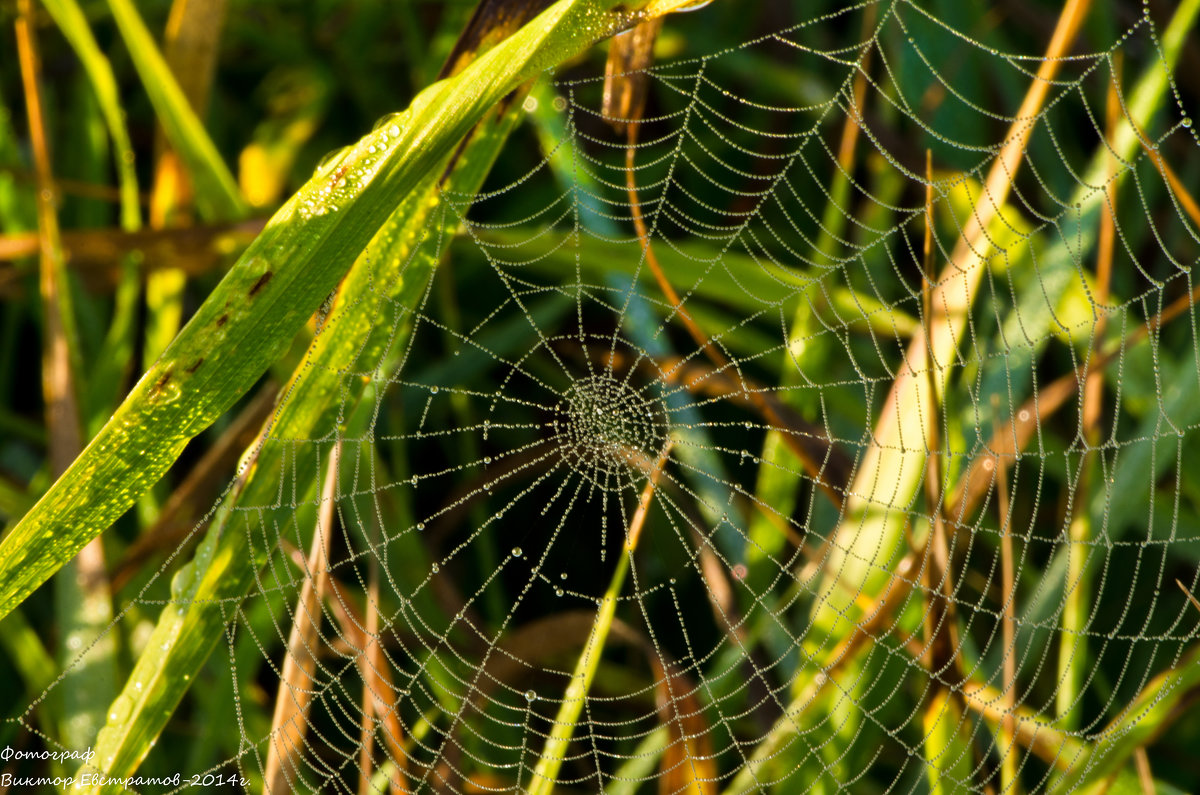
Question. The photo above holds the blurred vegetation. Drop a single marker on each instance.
(135, 196)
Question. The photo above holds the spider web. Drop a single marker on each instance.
(794, 614)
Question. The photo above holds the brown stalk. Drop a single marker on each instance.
(939, 619)
(1008, 761)
(96, 254)
(58, 387)
(1093, 387)
(379, 693)
(643, 508)
(687, 764)
(954, 294)
(372, 667)
(1186, 200)
(1145, 776)
(297, 679)
(366, 737)
(1076, 607)
(1195, 602)
(625, 96)
(851, 129)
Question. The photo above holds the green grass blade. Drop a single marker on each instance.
(74, 26)
(545, 774)
(554, 752)
(1140, 722)
(217, 194)
(281, 279)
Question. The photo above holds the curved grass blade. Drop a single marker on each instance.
(554, 751)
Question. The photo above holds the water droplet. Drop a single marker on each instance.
(530, 695)
(560, 104)
(517, 552)
(435, 568)
(420, 526)
(330, 157)
(530, 104)
(121, 709)
(558, 591)
(388, 121)
(563, 576)
(433, 390)
(1187, 121)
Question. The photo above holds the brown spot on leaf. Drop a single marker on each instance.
(261, 283)
(339, 175)
(195, 366)
(223, 319)
(162, 382)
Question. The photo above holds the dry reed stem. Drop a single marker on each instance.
(939, 619)
(62, 410)
(1008, 760)
(297, 679)
(373, 668)
(1145, 776)
(1195, 602)
(1186, 201)
(1076, 606)
(897, 447)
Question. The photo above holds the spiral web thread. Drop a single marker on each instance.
(487, 485)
